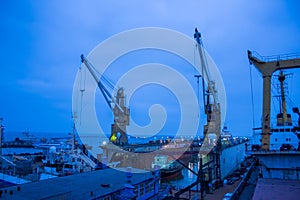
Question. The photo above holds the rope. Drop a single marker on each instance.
(197, 78)
(82, 89)
(274, 90)
(108, 82)
(252, 99)
(105, 79)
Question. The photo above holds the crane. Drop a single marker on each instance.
(213, 112)
(120, 111)
(210, 96)
(212, 108)
(267, 65)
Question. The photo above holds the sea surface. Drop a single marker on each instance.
(12, 151)
(11, 135)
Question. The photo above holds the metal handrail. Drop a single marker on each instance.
(241, 185)
(275, 57)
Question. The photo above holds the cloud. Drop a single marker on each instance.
(43, 40)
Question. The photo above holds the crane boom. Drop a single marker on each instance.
(211, 90)
(107, 95)
(211, 93)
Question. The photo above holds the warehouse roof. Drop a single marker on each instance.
(81, 186)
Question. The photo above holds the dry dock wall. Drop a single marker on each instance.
(231, 157)
(279, 164)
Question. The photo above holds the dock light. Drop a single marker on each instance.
(113, 138)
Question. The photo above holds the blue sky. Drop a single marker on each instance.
(42, 42)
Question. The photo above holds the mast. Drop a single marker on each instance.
(281, 79)
(73, 131)
(1, 135)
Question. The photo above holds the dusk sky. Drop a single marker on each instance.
(41, 44)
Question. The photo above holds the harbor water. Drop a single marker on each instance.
(186, 178)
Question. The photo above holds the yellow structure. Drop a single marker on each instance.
(267, 66)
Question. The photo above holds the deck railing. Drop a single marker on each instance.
(238, 190)
(276, 57)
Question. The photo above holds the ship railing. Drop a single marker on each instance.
(276, 57)
(239, 189)
(87, 160)
(262, 152)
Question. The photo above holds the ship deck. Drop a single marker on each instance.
(277, 189)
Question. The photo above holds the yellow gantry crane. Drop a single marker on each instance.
(267, 66)
(120, 111)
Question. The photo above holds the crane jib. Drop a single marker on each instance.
(107, 95)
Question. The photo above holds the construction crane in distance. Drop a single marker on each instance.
(116, 104)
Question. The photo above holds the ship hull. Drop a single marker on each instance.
(171, 173)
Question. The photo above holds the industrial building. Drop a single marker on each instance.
(103, 184)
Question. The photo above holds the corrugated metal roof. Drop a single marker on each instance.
(77, 186)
